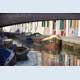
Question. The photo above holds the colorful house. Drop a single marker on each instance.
(70, 28)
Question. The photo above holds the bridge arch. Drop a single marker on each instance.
(7, 19)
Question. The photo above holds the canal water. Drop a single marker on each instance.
(37, 57)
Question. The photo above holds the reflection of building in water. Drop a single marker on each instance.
(63, 59)
(55, 27)
(71, 60)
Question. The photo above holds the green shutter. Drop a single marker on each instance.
(61, 24)
(47, 23)
(43, 23)
(70, 23)
(54, 26)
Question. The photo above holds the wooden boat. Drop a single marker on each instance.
(21, 53)
(7, 43)
(50, 44)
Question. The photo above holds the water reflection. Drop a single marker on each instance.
(50, 58)
(62, 59)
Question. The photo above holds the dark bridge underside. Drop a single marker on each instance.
(7, 19)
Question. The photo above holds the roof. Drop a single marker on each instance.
(7, 19)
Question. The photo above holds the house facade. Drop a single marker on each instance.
(70, 28)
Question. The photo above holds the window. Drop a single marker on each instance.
(61, 24)
(70, 23)
(43, 24)
(54, 24)
(47, 23)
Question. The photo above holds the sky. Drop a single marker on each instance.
(40, 6)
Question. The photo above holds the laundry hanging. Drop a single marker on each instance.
(29, 27)
(25, 27)
(36, 26)
(71, 27)
(70, 23)
(54, 27)
(75, 24)
(62, 27)
(31, 24)
(46, 28)
(75, 27)
(47, 23)
(54, 24)
(43, 24)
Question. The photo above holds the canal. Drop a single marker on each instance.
(38, 56)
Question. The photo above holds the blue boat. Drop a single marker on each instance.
(7, 57)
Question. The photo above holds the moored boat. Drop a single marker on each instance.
(7, 57)
(21, 53)
(50, 44)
